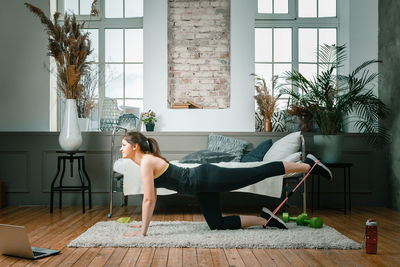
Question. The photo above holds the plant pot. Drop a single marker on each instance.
(267, 125)
(83, 124)
(150, 127)
(329, 147)
(70, 138)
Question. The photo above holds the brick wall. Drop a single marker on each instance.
(199, 52)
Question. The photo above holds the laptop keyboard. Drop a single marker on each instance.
(37, 253)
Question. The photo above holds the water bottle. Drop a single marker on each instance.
(371, 236)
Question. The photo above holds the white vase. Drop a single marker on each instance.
(84, 124)
(70, 138)
(329, 147)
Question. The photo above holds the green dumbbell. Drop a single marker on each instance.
(299, 219)
(303, 220)
(314, 222)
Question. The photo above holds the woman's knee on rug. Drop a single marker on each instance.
(224, 223)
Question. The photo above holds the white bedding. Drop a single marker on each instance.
(271, 187)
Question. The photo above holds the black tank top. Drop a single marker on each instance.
(178, 179)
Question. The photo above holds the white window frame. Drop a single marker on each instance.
(273, 21)
(101, 23)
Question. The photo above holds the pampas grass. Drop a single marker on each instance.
(265, 101)
(70, 47)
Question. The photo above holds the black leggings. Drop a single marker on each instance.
(214, 179)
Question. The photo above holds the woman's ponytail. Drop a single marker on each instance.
(147, 145)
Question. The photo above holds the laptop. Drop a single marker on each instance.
(14, 242)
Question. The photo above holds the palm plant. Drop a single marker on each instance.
(331, 97)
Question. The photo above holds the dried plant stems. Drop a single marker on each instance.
(265, 101)
(70, 48)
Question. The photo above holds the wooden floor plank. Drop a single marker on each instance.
(248, 257)
(102, 257)
(146, 257)
(204, 257)
(131, 257)
(175, 257)
(160, 257)
(189, 257)
(58, 229)
(218, 257)
(233, 257)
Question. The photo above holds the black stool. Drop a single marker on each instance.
(82, 176)
(346, 179)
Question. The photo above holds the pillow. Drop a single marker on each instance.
(207, 156)
(220, 143)
(258, 153)
(283, 147)
(295, 157)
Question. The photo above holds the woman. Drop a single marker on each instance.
(205, 182)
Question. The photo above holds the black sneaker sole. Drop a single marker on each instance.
(275, 221)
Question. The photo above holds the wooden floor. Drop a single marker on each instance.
(56, 230)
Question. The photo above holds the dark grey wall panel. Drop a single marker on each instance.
(14, 170)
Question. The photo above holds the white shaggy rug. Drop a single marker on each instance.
(198, 235)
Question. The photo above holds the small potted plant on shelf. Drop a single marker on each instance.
(330, 97)
(149, 119)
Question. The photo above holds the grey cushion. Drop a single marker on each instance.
(206, 156)
(220, 143)
(258, 153)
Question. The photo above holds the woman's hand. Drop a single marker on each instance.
(135, 226)
(135, 233)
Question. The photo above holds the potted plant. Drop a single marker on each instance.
(70, 47)
(265, 100)
(330, 97)
(149, 119)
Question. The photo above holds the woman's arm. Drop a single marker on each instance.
(149, 193)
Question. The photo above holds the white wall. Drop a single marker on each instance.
(240, 116)
(24, 82)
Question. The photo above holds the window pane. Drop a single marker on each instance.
(134, 45)
(281, 6)
(71, 6)
(114, 78)
(94, 38)
(134, 103)
(280, 70)
(327, 36)
(327, 8)
(114, 45)
(307, 8)
(307, 45)
(265, 6)
(282, 45)
(134, 80)
(85, 6)
(263, 45)
(114, 9)
(264, 71)
(133, 8)
(309, 71)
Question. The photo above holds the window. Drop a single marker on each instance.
(286, 39)
(117, 42)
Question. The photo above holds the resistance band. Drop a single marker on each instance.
(291, 193)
